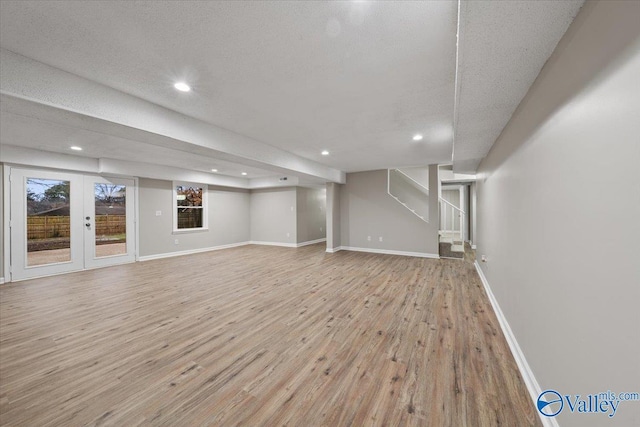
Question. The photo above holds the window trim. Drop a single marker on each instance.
(205, 207)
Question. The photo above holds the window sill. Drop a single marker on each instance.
(190, 230)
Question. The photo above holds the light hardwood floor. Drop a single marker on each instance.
(259, 336)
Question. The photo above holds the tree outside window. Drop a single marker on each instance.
(190, 206)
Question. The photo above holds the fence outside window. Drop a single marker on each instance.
(49, 227)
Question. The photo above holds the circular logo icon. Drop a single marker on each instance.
(550, 403)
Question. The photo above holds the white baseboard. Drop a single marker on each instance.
(311, 242)
(287, 245)
(1, 280)
(232, 245)
(386, 252)
(282, 244)
(190, 252)
(333, 250)
(525, 370)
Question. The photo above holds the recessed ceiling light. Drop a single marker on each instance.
(182, 87)
(76, 148)
(325, 153)
(417, 137)
(244, 173)
(214, 170)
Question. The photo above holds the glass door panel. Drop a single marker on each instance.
(48, 221)
(108, 221)
(110, 204)
(46, 232)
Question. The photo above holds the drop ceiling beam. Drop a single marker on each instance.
(34, 89)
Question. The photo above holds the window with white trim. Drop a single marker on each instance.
(189, 206)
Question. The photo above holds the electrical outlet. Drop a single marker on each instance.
(321, 229)
(288, 234)
(158, 213)
(368, 238)
(380, 239)
(483, 258)
(175, 242)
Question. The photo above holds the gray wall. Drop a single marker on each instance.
(409, 193)
(228, 219)
(333, 215)
(473, 212)
(311, 205)
(273, 215)
(367, 210)
(419, 174)
(2, 221)
(559, 209)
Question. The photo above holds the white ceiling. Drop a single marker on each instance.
(48, 136)
(358, 78)
(503, 46)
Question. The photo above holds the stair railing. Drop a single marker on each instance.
(409, 193)
(451, 220)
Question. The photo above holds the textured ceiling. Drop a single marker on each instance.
(48, 136)
(358, 78)
(503, 46)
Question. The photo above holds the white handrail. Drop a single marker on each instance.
(426, 190)
(452, 205)
(449, 220)
(417, 187)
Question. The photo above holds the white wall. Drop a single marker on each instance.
(273, 215)
(311, 205)
(559, 211)
(452, 196)
(366, 209)
(228, 219)
(464, 205)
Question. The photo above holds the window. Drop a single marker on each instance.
(189, 206)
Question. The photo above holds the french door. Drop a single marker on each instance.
(62, 222)
(108, 221)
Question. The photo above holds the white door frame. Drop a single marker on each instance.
(20, 269)
(6, 230)
(90, 260)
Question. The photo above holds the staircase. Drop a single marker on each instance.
(415, 198)
(409, 193)
(451, 230)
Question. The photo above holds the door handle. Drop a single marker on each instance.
(88, 224)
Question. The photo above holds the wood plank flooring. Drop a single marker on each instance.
(259, 336)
